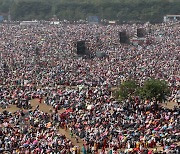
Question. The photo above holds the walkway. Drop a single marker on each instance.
(46, 108)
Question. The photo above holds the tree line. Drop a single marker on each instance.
(122, 10)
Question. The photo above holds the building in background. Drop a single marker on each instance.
(174, 18)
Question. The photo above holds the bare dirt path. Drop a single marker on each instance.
(48, 108)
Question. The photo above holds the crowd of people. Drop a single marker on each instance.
(97, 118)
(41, 62)
(31, 132)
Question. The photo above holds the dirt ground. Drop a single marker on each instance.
(47, 109)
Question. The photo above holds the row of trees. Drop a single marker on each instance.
(122, 10)
(151, 90)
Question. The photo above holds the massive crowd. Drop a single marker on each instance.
(31, 132)
(41, 62)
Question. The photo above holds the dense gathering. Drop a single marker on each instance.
(31, 132)
(41, 62)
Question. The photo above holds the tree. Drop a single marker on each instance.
(128, 10)
(155, 89)
(126, 90)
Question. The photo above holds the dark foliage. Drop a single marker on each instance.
(122, 10)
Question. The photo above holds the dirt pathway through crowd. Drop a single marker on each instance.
(169, 105)
(47, 109)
